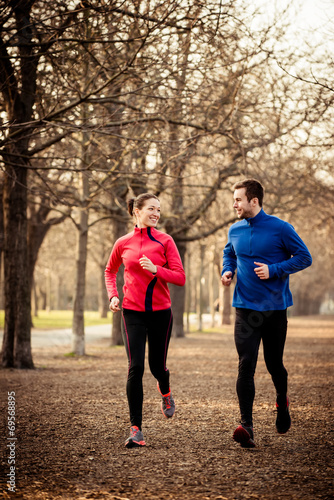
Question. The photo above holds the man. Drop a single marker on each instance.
(264, 250)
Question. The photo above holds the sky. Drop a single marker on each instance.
(312, 21)
(315, 13)
(315, 18)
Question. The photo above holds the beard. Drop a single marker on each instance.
(245, 214)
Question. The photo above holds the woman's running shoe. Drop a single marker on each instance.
(167, 403)
(135, 439)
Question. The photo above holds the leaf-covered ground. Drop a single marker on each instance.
(72, 421)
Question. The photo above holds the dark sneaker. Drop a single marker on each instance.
(283, 419)
(135, 439)
(167, 403)
(244, 435)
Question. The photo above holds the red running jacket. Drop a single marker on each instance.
(144, 291)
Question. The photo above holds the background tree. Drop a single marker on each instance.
(179, 99)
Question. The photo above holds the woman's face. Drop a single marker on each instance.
(149, 214)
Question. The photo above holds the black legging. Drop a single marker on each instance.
(156, 326)
(250, 327)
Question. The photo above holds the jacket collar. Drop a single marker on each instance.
(258, 217)
(143, 230)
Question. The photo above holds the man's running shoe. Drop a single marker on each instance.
(135, 439)
(167, 403)
(283, 419)
(244, 435)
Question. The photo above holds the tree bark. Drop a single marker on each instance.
(103, 298)
(16, 351)
(178, 297)
(2, 243)
(200, 289)
(19, 100)
(188, 290)
(116, 336)
(212, 276)
(34, 300)
(227, 308)
(78, 326)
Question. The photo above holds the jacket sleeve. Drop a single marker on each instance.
(174, 273)
(300, 256)
(229, 257)
(114, 262)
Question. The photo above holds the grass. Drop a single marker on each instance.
(62, 319)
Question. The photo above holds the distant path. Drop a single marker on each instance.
(93, 334)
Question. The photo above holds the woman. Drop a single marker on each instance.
(151, 260)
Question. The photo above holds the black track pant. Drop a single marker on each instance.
(156, 327)
(250, 327)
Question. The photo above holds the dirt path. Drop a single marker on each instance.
(72, 420)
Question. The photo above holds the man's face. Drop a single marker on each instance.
(243, 207)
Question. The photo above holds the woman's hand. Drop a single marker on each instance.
(114, 304)
(147, 264)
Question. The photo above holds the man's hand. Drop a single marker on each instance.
(227, 278)
(146, 263)
(262, 271)
(114, 304)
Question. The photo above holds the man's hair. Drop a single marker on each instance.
(254, 189)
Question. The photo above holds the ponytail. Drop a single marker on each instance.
(130, 206)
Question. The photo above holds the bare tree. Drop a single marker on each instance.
(174, 103)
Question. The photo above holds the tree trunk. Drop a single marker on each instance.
(48, 304)
(178, 295)
(188, 291)
(200, 289)
(78, 326)
(116, 336)
(2, 243)
(43, 299)
(227, 308)
(212, 276)
(16, 340)
(34, 300)
(2, 282)
(103, 298)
